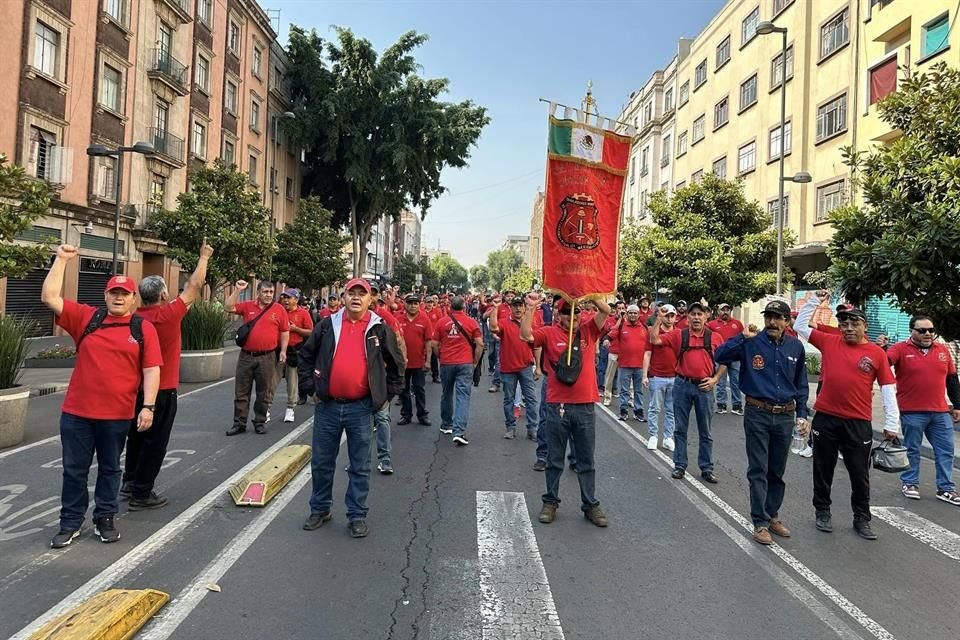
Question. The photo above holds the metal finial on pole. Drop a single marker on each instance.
(589, 104)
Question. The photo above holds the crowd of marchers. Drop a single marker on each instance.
(553, 360)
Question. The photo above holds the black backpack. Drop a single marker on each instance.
(685, 344)
(96, 323)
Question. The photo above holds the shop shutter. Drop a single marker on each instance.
(23, 300)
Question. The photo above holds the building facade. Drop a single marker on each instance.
(535, 259)
(520, 245)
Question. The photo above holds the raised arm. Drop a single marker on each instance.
(655, 332)
(603, 312)
(526, 320)
(198, 278)
(804, 322)
(230, 304)
(51, 293)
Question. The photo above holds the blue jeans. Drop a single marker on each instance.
(80, 437)
(542, 428)
(495, 353)
(661, 400)
(528, 388)
(767, 437)
(687, 396)
(733, 375)
(938, 427)
(330, 419)
(602, 365)
(627, 376)
(457, 379)
(381, 420)
(578, 423)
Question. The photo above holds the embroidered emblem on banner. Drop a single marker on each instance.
(577, 228)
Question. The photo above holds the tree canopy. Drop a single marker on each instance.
(500, 265)
(22, 201)
(479, 276)
(449, 273)
(905, 239)
(520, 280)
(376, 134)
(310, 250)
(405, 272)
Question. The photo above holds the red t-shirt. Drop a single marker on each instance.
(645, 315)
(416, 334)
(515, 354)
(697, 363)
(852, 369)
(503, 311)
(166, 319)
(388, 318)
(434, 314)
(326, 313)
(265, 335)
(663, 360)
(553, 340)
(301, 319)
(614, 347)
(921, 378)
(348, 373)
(633, 342)
(725, 330)
(681, 322)
(790, 331)
(107, 375)
(454, 349)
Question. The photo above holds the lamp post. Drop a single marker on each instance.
(101, 151)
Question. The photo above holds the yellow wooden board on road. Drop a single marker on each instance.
(266, 479)
(116, 614)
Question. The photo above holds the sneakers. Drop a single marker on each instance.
(548, 513)
(607, 400)
(425, 422)
(668, 444)
(316, 520)
(950, 497)
(721, 409)
(531, 435)
(540, 465)
(460, 441)
(103, 527)
(709, 476)
(259, 429)
(152, 501)
(639, 417)
(446, 429)
(596, 516)
(494, 388)
(912, 491)
(289, 416)
(762, 535)
(623, 416)
(678, 473)
(385, 468)
(509, 435)
(823, 522)
(358, 528)
(404, 420)
(806, 452)
(64, 538)
(234, 430)
(652, 443)
(778, 528)
(737, 411)
(862, 527)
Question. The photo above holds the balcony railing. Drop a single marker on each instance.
(166, 144)
(167, 68)
(146, 212)
(181, 8)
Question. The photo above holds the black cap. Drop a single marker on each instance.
(644, 297)
(412, 297)
(850, 311)
(777, 307)
(698, 305)
(374, 285)
(516, 302)
(506, 291)
(681, 303)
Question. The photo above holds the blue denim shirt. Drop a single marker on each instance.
(775, 372)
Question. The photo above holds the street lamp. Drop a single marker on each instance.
(101, 151)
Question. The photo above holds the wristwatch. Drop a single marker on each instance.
(150, 406)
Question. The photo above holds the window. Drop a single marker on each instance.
(158, 190)
(110, 82)
(161, 116)
(720, 168)
(631, 207)
(230, 99)
(668, 99)
(198, 141)
(700, 75)
(645, 161)
(773, 209)
(233, 38)
(46, 49)
(748, 92)
(205, 12)
(633, 169)
(936, 36)
(647, 113)
(723, 53)
(255, 115)
(681, 185)
(665, 151)
(644, 199)
(748, 28)
(776, 68)
(45, 155)
(252, 169)
(832, 118)
(276, 79)
(829, 197)
(684, 93)
(698, 128)
(114, 9)
(257, 61)
(834, 33)
(229, 155)
(164, 40)
(780, 5)
(202, 74)
(105, 177)
(776, 140)
(665, 186)
(696, 176)
(289, 188)
(681, 144)
(747, 158)
(883, 80)
(721, 113)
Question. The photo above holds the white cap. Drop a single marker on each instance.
(668, 308)
(633, 308)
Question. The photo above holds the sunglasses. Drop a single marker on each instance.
(923, 330)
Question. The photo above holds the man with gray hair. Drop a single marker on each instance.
(146, 449)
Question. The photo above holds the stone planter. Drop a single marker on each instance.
(13, 415)
(50, 363)
(201, 366)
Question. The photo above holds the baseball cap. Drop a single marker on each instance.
(681, 303)
(373, 285)
(291, 293)
(516, 302)
(122, 282)
(850, 311)
(412, 297)
(668, 308)
(333, 296)
(698, 305)
(723, 305)
(777, 307)
(358, 282)
(644, 297)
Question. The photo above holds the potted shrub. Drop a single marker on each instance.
(813, 368)
(56, 357)
(13, 396)
(203, 330)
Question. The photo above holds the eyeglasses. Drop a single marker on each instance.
(923, 330)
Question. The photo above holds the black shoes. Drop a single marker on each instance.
(126, 489)
(460, 441)
(862, 527)
(104, 528)
(823, 522)
(678, 473)
(425, 422)
(316, 520)
(64, 538)
(540, 465)
(623, 416)
(152, 501)
(709, 476)
(234, 430)
(358, 528)
(259, 429)
(404, 420)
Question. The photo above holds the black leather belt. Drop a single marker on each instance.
(690, 380)
(256, 354)
(770, 407)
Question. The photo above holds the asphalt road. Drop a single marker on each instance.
(455, 550)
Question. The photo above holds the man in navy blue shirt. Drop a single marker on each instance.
(773, 378)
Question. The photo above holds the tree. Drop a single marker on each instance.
(521, 280)
(707, 241)
(406, 270)
(376, 135)
(223, 209)
(22, 201)
(310, 250)
(479, 276)
(449, 273)
(905, 239)
(500, 264)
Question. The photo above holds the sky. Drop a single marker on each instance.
(505, 55)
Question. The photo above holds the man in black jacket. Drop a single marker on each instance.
(352, 363)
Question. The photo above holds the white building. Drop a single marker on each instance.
(520, 244)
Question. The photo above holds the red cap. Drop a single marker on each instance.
(122, 282)
(358, 282)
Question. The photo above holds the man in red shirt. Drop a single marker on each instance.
(434, 314)
(696, 376)
(458, 341)
(301, 326)
(925, 376)
(659, 374)
(147, 449)
(726, 328)
(634, 341)
(682, 322)
(116, 352)
(613, 351)
(353, 365)
(417, 333)
(333, 305)
(571, 398)
(645, 311)
(258, 356)
(844, 419)
(516, 369)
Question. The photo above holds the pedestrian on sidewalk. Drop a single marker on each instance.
(659, 375)
(458, 343)
(634, 340)
(147, 449)
(516, 369)
(926, 375)
(726, 328)
(265, 347)
(301, 326)
(118, 353)
(417, 333)
(570, 413)
(613, 354)
(352, 364)
(843, 422)
(773, 377)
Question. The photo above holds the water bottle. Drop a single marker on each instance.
(799, 442)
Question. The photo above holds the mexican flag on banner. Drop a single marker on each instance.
(586, 167)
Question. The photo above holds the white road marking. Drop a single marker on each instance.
(515, 597)
(865, 621)
(927, 532)
(209, 386)
(139, 555)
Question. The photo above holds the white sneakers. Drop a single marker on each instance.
(668, 444)
(807, 452)
(652, 443)
(288, 416)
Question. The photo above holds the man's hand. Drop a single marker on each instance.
(537, 373)
(708, 384)
(803, 427)
(750, 331)
(890, 435)
(646, 381)
(144, 420)
(66, 252)
(532, 300)
(283, 357)
(206, 251)
(240, 285)
(955, 414)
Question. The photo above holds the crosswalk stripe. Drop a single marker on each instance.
(927, 532)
